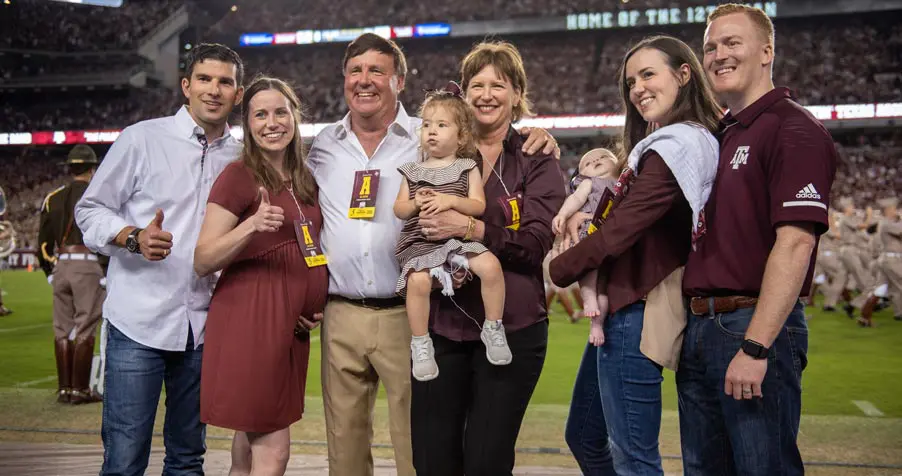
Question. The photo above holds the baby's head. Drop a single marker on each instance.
(448, 124)
(597, 163)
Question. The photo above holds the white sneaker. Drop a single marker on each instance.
(422, 353)
(496, 350)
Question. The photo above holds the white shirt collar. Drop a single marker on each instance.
(187, 127)
(401, 124)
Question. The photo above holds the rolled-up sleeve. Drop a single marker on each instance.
(99, 212)
(543, 194)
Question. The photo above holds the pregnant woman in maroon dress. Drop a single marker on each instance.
(262, 229)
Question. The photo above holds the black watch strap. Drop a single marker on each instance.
(131, 241)
(754, 349)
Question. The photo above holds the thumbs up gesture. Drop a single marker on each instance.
(269, 217)
(156, 244)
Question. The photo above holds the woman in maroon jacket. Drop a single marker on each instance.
(670, 156)
(466, 421)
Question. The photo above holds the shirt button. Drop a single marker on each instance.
(369, 283)
(366, 253)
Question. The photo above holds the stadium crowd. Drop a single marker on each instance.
(57, 26)
(825, 61)
(288, 15)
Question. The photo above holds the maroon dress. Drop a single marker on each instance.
(254, 368)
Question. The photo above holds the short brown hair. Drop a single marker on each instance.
(760, 19)
(217, 52)
(463, 118)
(295, 160)
(506, 59)
(373, 42)
(695, 101)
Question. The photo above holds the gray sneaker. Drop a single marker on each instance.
(496, 350)
(422, 353)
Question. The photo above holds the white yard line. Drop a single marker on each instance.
(23, 328)
(36, 382)
(868, 408)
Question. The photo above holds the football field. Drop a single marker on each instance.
(852, 401)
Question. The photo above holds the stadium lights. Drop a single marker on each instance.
(551, 123)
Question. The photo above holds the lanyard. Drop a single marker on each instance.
(291, 191)
(500, 163)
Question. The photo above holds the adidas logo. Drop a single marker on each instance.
(809, 192)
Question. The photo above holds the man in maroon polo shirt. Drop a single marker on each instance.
(739, 379)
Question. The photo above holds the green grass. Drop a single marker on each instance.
(846, 362)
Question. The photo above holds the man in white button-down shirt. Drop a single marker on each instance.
(160, 172)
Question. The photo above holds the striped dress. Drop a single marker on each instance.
(414, 251)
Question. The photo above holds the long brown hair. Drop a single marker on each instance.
(295, 159)
(463, 118)
(695, 101)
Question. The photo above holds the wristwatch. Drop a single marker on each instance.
(754, 349)
(131, 241)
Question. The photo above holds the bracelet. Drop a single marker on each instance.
(471, 226)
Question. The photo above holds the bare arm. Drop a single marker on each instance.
(405, 207)
(576, 199)
(474, 204)
(784, 275)
(220, 240)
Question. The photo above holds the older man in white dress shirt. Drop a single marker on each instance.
(160, 172)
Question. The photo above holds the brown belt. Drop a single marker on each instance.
(371, 303)
(75, 249)
(703, 307)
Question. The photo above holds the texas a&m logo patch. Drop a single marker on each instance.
(741, 157)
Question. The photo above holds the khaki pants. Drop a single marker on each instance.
(831, 266)
(77, 298)
(855, 262)
(891, 269)
(360, 347)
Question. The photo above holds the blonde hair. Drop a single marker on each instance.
(760, 19)
(506, 60)
(463, 118)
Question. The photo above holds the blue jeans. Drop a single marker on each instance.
(630, 386)
(133, 379)
(586, 432)
(723, 436)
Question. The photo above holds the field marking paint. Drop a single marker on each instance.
(49, 378)
(868, 408)
(23, 328)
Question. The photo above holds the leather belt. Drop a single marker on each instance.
(75, 249)
(371, 303)
(703, 307)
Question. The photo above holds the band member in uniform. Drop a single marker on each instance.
(829, 268)
(888, 265)
(853, 252)
(75, 273)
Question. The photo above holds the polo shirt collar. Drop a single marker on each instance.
(748, 115)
